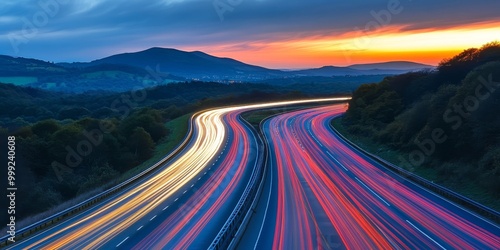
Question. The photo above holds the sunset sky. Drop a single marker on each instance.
(270, 33)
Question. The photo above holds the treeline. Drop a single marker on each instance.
(58, 161)
(22, 106)
(68, 144)
(447, 119)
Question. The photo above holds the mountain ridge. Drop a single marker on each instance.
(196, 64)
(130, 70)
(392, 65)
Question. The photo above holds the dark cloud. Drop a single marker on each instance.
(89, 29)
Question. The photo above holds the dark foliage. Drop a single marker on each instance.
(460, 99)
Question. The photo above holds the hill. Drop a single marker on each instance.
(18, 66)
(197, 65)
(63, 77)
(385, 68)
(394, 65)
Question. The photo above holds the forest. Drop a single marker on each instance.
(446, 119)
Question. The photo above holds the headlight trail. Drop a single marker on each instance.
(183, 227)
(129, 212)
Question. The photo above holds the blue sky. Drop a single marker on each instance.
(90, 29)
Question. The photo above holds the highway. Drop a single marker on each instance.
(323, 194)
(183, 204)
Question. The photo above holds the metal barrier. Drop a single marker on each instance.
(53, 219)
(235, 225)
(459, 199)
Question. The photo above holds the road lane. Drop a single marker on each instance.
(183, 204)
(187, 226)
(328, 195)
(117, 216)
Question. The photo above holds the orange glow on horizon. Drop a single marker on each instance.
(391, 43)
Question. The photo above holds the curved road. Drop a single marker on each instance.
(183, 204)
(323, 194)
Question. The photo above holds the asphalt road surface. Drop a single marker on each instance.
(323, 194)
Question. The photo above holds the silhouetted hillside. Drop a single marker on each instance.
(394, 65)
(191, 64)
(447, 119)
(388, 68)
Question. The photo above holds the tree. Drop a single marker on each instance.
(141, 144)
(45, 127)
(150, 120)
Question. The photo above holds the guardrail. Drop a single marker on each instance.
(459, 199)
(235, 225)
(230, 234)
(53, 219)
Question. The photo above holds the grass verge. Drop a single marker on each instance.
(178, 128)
(255, 117)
